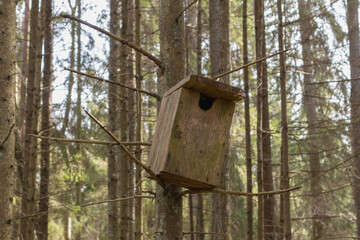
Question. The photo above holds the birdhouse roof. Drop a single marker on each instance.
(209, 88)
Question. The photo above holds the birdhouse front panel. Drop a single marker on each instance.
(192, 132)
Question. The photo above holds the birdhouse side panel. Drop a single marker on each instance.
(165, 120)
(199, 138)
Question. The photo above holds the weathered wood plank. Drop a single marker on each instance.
(199, 138)
(210, 88)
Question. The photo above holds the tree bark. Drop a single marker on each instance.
(7, 118)
(29, 162)
(114, 65)
(78, 182)
(138, 174)
(43, 220)
(168, 204)
(249, 200)
(354, 58)
(200, 200)
(124, 131)
(309, 101)
(285, 217)
(131, 112)
(219, 63)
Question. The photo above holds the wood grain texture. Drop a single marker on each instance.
(210, 88)
(190, 143)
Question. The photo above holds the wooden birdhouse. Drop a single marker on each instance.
(192, 132)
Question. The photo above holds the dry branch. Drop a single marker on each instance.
(64, 140)
(157, 96)
(120, 39)
(131, 156)
(187, 7)
(208, 233)
(6, 138)
(116, 200)
(221, 191)
(248, 65)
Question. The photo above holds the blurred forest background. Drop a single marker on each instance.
(298, 126)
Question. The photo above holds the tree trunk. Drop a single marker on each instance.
(172, 53)
(29, 162)
(249, 200)
(309, 101)
(113, 119)
(78, 183)
(131, 112)
(200, 201)
(285, 217)
(268, 184)
(354, 52)
(257, 13)
(138, 175)
(7, 119)
(124, 131)
(220, 62)
(43, 220)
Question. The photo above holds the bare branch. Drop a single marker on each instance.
(335, 81)
(116, 200)
(248, 65)
(187, 7)
(131, 156)
(157, 96)
(64, 140)
(120, 39)
(208, 233)
(6, 138)
(221, 191)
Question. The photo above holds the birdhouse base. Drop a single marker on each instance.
(183, 181)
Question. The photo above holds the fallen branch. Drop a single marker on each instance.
(221, 191)
(131, 156)
(248, 65)
(157, 96)
(120, 39)
(116, 200)
(64, 140)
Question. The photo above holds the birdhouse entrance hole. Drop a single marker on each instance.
(205, 102)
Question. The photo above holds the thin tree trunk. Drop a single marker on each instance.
(354, 52)
(29, 163)
(172, 53)
(131, 112)
(268, 183)
(191, 217)
(285, 217)
(138, 174)
(45, 125)
(124, 131)
(220, 62)
(7, 119)
(309, 101)
(249, 200)
(258, 31)
(200, 200)
(113, 118)
(190, 45)
(71, 75)
(78, 183)
(24, 48)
